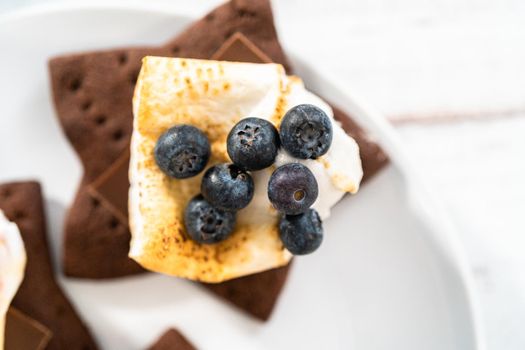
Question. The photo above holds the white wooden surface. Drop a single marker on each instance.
(450, 74)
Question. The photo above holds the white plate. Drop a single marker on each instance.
(390, 274)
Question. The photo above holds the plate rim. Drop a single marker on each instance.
(447, 242)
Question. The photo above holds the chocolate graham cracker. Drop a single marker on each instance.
(112, 187)
(92, 94)
(39, 295)
(172, 340)
(25, 333)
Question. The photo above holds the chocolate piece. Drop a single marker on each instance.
(25, 333)
(39, 295)
(172, 340)
(239, 48)
(112, 188)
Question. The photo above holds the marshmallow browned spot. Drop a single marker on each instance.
(39, 295)
(172, 340)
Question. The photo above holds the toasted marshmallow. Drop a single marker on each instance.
(214, 96)
(12, 266)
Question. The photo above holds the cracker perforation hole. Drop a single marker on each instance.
(95, 202)
(19, 215)
(100, 119)
(118, 135)
(75, 85)
(86, 105)
(122, 59)
(210, 17)
(243, 13)
(175, 50)
(6, 193)
(113, 224)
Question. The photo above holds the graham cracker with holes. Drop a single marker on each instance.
(39, 296)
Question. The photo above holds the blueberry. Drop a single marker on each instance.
(306, 132)
(253, 144)
(182, 151)
(292, 189)
(227, 187)
(301, 234)
(207, 224)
